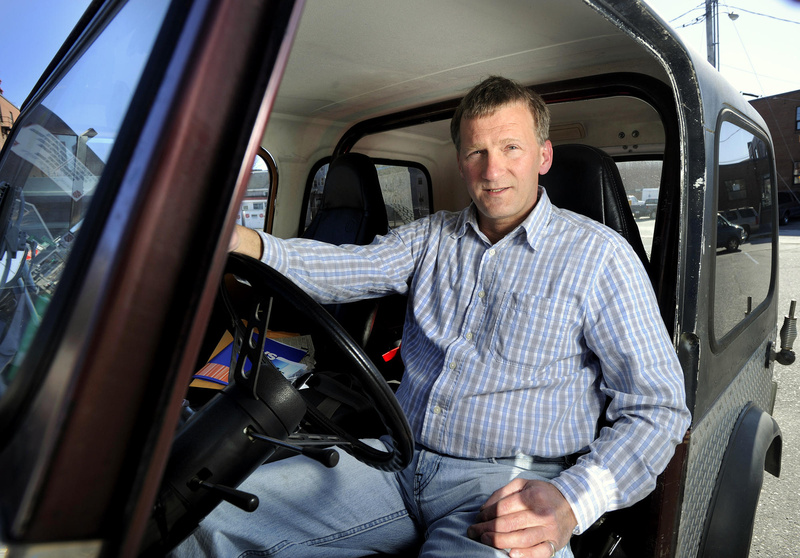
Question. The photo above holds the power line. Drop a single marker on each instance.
(749, 60)
(699, 6)
(794, 82)
(762, 15)
(695, 21)
(701, 18)
(780, 130)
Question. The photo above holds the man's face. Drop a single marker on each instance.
(500, 160)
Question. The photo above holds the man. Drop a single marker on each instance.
(524, 319)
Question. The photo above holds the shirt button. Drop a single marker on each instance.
(469, 336)
(452, 366)
(492, 252)
(437, 410)
(481, 294)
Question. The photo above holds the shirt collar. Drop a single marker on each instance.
(533, 225)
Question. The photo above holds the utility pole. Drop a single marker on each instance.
(712, 32)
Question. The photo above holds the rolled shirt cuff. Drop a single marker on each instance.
(273, 253)
(587, 489)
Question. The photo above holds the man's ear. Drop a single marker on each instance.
(547, 157)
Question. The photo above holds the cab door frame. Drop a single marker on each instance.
(123, 348)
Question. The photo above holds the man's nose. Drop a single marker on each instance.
(493, 167)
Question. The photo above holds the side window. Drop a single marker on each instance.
(405, 188)
(256, 209)
(744, 225)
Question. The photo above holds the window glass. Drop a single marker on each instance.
(405, 192)
(744, 226)
(254, 211)
(641, 180)
(52, 171)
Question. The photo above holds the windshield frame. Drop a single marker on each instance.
(92, 434)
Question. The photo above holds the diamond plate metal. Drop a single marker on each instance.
(707, 446)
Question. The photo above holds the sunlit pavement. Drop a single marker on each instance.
(777, 530)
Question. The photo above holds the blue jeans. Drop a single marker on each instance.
(354, 510)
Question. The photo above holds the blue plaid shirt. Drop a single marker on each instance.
(513, 348)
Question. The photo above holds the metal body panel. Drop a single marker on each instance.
(754, 445)
(709, 440)
(720, 380)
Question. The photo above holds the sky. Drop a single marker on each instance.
(758, 51)
(33, 31)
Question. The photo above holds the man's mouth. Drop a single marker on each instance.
(495, 190)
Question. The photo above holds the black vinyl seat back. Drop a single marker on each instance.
(352, 211)
(586, 180)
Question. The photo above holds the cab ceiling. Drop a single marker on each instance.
(355, 59)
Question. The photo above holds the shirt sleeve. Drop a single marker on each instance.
(333, 274)
(644, 382)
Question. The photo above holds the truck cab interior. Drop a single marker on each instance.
(330, 120)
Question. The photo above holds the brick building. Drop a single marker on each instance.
(8, 115)
(782, 114)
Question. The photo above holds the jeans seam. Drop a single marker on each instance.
(322, 541)
(425, 474)
(427, 469)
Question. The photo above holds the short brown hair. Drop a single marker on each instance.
(495, 92)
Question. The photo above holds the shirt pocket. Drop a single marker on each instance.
(531, 331)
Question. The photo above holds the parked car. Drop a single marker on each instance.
(788, 207)
(650, 200)
(126, 171)
(729, 236)
(651, 208)
(746, 217)
(640, 209)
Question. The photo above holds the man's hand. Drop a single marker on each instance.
(245, 241)
(235, 240)
(523, 516)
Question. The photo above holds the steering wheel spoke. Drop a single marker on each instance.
(264, 284)
(260, 410)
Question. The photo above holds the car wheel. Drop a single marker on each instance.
(784, 220)
(732, 245)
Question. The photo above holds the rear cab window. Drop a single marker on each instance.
(257, 208)
(406, 189)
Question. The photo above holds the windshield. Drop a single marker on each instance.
(51, 172)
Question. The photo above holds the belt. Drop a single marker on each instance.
(527, 461)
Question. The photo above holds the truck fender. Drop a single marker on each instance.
(755, 445)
